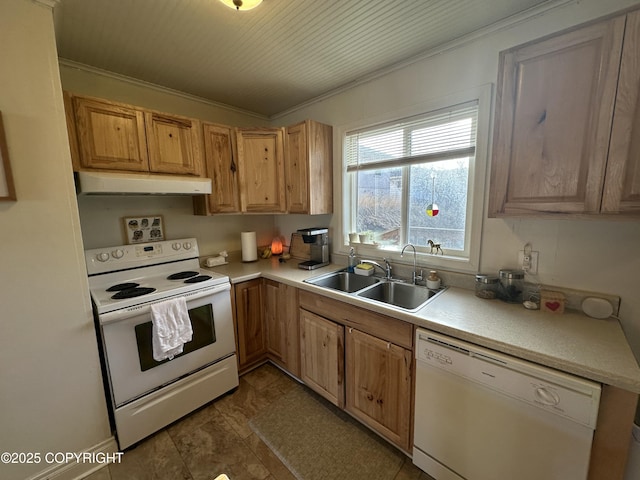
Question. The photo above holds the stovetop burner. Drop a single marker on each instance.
(122, 286)
(133, 292)
(126, 276)
(199, 278)
(182, 275)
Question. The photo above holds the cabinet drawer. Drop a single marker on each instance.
(382, 326)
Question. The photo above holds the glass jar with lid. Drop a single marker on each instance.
(487, 286)
(511, 285)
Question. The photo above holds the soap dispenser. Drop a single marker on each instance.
(353, 261)
(433, 281)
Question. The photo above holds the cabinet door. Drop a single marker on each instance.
(274, 320)
(554, 110)
(261, 170)
(622, 182)
(174, 144)
(219, 154)
(379, 385)
(110, 136)
(309, 167)
(322, 356)
(281, 321)
(296, 169)
(251, 335)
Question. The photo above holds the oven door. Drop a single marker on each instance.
(127, 341)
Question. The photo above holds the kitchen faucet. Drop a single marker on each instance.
(386, 269)
(416, 278)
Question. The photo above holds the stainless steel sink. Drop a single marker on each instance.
(403, 295)
(343, 281)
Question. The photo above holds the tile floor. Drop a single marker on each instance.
(217, 439)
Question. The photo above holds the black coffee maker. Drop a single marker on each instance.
(318, 238)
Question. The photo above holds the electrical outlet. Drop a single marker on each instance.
(529, 263)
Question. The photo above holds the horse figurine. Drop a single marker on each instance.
(435, 246)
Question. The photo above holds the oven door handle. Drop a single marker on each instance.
(135, 310)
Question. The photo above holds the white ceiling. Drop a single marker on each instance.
(270, 59)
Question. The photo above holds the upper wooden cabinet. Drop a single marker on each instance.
(309, 167)
(119, 137)
(110, 136)
(174, 144)
(622, 181)
(261, 169)
(554, 115)
(268, 170)
(220, 161)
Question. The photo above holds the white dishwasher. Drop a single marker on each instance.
(482, 415)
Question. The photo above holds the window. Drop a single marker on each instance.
(410, 179)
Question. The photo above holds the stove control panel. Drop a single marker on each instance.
(186, 245)
(148, 251)
(108, 259)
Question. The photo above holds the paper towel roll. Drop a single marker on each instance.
(249, 246)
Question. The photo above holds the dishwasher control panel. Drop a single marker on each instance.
(551, 390)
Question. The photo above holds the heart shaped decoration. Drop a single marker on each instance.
(553, 306)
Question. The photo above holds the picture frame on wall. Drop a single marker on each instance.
(148, 228)
(7, 189)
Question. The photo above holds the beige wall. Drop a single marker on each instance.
(96, 83)
(102, 224)
(600, 256)
(51, 394)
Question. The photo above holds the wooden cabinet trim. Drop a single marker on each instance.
(610, 447)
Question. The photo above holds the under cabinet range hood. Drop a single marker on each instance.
(108, 183)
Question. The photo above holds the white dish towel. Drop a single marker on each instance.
(171, 328)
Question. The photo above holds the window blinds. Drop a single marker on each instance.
(439, 135)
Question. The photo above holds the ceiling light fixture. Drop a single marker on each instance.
(242, 4)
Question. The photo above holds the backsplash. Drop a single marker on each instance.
(573, 297)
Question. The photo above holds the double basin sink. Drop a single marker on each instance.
(402, 295)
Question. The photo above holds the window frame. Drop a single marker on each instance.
(475, 193)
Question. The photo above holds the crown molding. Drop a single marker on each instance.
(47, 3)
(454, 44)
(140, 83)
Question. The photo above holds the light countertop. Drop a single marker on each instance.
(571, 342)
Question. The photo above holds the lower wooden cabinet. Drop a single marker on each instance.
(378, 382)
(361, 361)
(250, 329)
(281, 321)
(322, 356)
(357, 359)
